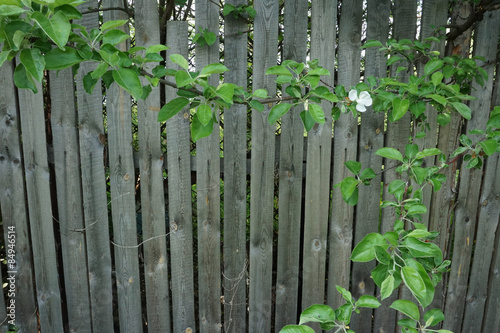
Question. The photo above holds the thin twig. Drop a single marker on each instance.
(136, 246)
(96, 10)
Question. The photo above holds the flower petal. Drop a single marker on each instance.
(360, 107)
(365, 98)
(353, 95)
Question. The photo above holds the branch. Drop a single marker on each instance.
(96, 10)
(476, 16)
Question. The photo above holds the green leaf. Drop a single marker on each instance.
(317, 313)
(59, 59)
(128, 80)
(172, 108)
(344, 313)
(204, 113)
(183, 79)
(179, 60)
(437, 78)
(198, 130)
(71, 12)
(112, 24)
(432, 66)
(278, 111)
(353, 166)
(393, 59)
(367, 301)
(317, 113)
(427, 152)
(115, 36)
(399, 108)
(260, 93)
(9, 10)
(463, 109)
(57, 27)
(390, 153)
(3, 56)
(226, 92)
(213, 69)
(489, 146)
(15, 32)
(419, 233)
(228, 8)
(387, 287)
(345, 293)
(382, 256)
(34, 63)
(443, 119)
(372, 43)
(307, 120)
(294, 328)
(23, 79)
(349, 189)
(424, 295)
(433, 317)
(365, 250)
(254, 104)
(278, 70)
(406, 307)
(319, 71)
(438, 98)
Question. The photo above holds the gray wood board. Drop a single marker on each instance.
(13, 203)
(147, 33)
(179, 196)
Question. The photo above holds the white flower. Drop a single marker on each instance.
(362, 102)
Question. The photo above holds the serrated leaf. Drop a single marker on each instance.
(128, 80)
(278, 70)
(213, 69)
(365, 250)
(172, 108)
(198, 130)
(57, 27)
(23, 79)
(260, 93)
(34, 62)
(390, 153)
(112, 24)
(59, 59)
(399, 108)
(307, 120)
(427, 152)
(463, 109)
(296, 328)
(489, 146)
(115, 36)
(353, 166)
(183, 79)
(254, 104)
(406, 307)
(436, 78)
(278, 111)
(368, 301)
(432, 66)
(317, 313)
(179, 60)
(433, 317)
(226, 92)
(204, 113)
(317, 113)
(438, 98)
(387, 287)
(9, 10)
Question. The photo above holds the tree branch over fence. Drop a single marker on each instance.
(476, 16)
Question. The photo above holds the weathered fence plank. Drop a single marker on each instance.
(208, 188)
(64, 126)
(179, 197)
(37, 175)
(262, 165)
(147, 33)
(92, 139)
(470, 179)
(371, 138)
(319, 143)
(122, 183)
(235, 194)
(12, 202)
(290, 175)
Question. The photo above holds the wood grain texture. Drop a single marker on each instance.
(470, 181)
(122, 183)
(64, 126)
(290, 176)
(12, 200)
(208, 188)
(147, 33)
(319, 143)
(179, 197)
(235, 183)
(37, 179)
(262, 165)
(92, 140)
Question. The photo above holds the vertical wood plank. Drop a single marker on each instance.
(235, 193)
(470, 180)
(208, 188)
(13, 202)
(69, 198)
(122, 176)
(147, 33)
(262, 166)
(179, 196)
(40, 210)
(319, 143)
(290, 175)
(95, 208)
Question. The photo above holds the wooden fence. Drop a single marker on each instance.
(72, 193)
